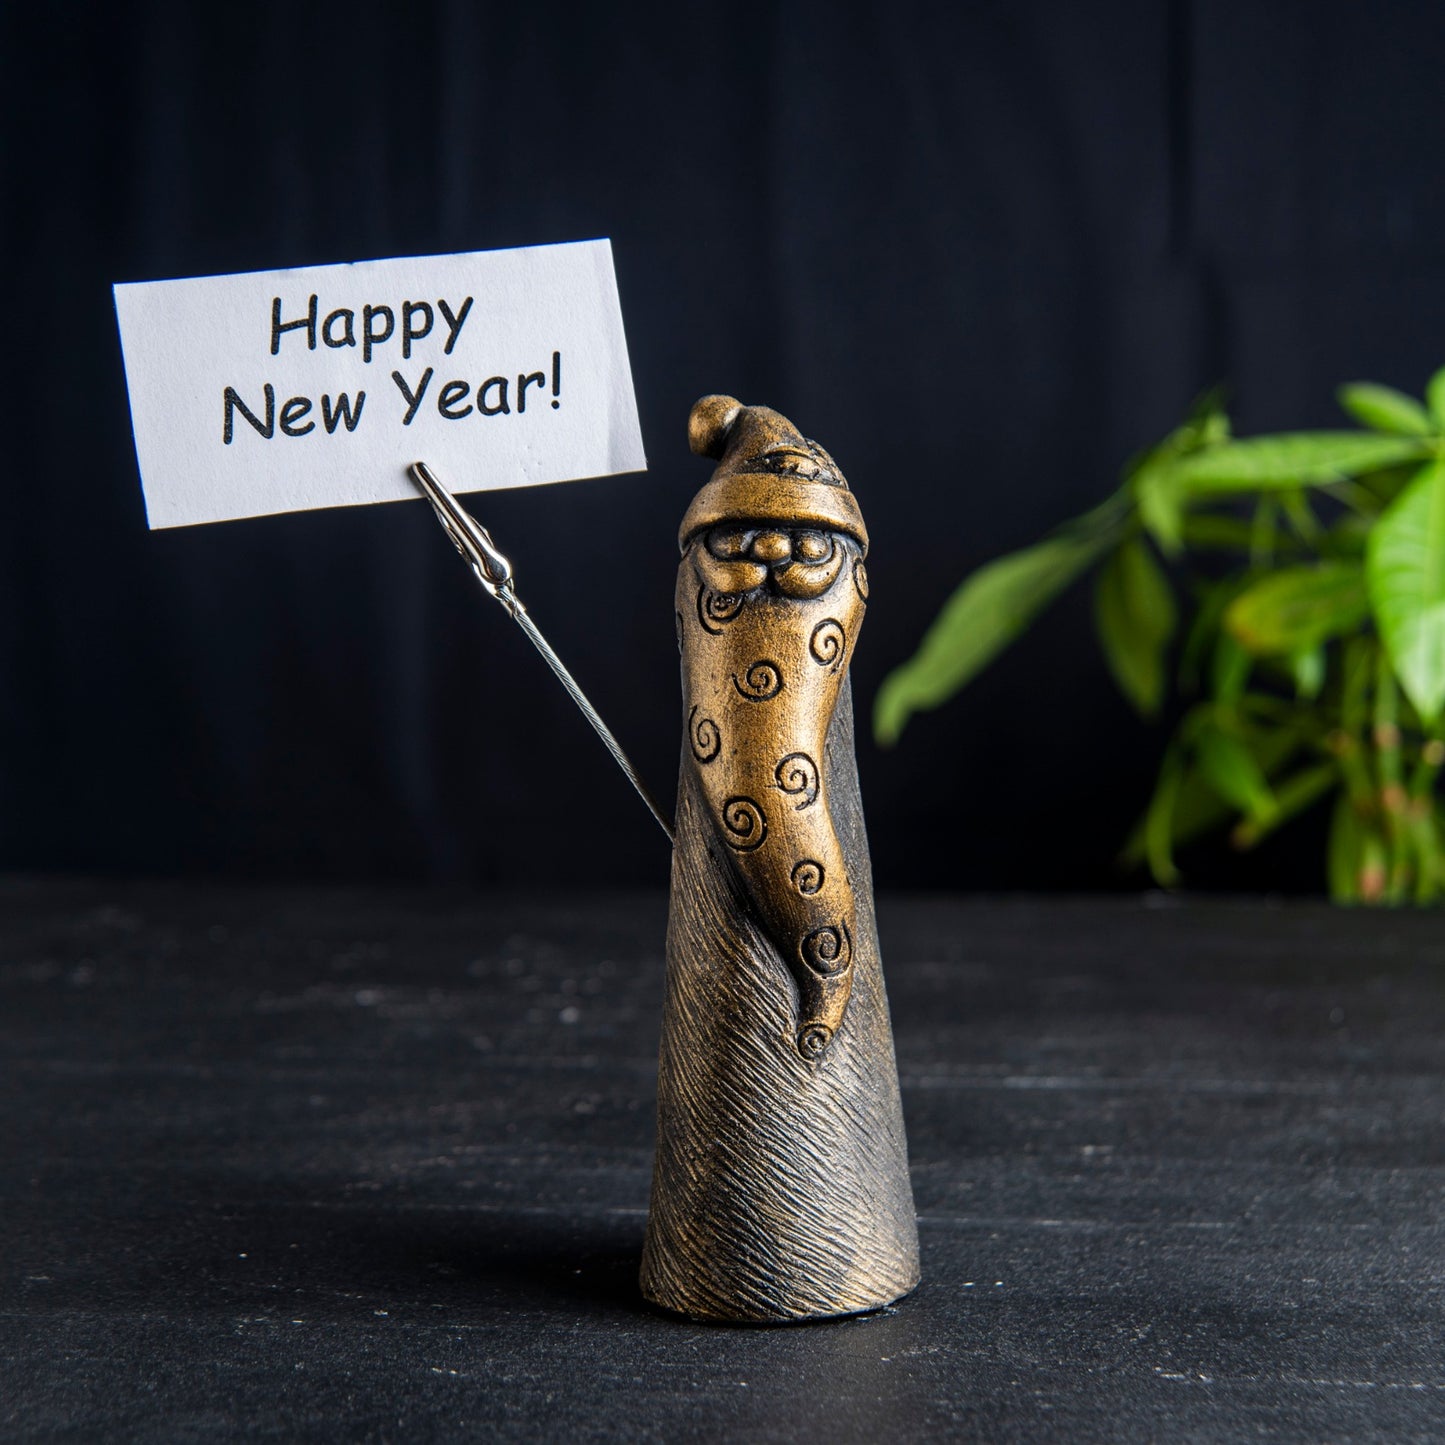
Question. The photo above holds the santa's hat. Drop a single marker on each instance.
(768, 473)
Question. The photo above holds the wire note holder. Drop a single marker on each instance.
(493, 571)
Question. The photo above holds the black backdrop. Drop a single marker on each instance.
(981, 252)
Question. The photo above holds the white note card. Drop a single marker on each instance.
(280, 391)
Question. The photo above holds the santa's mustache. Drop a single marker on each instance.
(798, 562)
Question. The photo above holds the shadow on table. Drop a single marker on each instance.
(520, 1258)
(326, 1256)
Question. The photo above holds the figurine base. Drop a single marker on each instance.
(774, 1321)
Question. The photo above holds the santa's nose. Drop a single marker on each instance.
(771, 547)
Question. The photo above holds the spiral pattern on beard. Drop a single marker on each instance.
(797, 774)
(716, 609)
(704, 735)
(827, 950)
(860, 578)
(813, 1040)
(807, 877)
(827, 642)
(761, 682)
(745, 826)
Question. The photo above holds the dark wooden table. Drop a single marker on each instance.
(363, 1165)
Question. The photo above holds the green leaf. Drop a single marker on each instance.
(1135, 616)
(1298, 607)
(1190, 808)
(1203, 631)
(1293, 459)
(1229, 670)
(1151, 480)
(1405, 569)
(982, 617)
(1435, 396)
(1194, 807)
(1235, 774)
(1385, 409)
(1307, 668)
(1161, 505)
(1292, 797)
(1156, 832)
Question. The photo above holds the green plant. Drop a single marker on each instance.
(1312, 664)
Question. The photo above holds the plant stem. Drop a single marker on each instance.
(1360, 500)
(1351, 749)
(1350, 742)
(1422, 817)
(1302, 518)
(1262, 531)
(1389, 769)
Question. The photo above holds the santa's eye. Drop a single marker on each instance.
(811, 546)
(728, 543)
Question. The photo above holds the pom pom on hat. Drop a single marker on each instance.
(708, 426)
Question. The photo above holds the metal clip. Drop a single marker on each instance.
(471, 539)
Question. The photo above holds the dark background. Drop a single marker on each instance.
(982, 253)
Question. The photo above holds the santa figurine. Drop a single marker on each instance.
(781, 1189)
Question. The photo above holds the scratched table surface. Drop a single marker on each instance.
(365, 1165)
